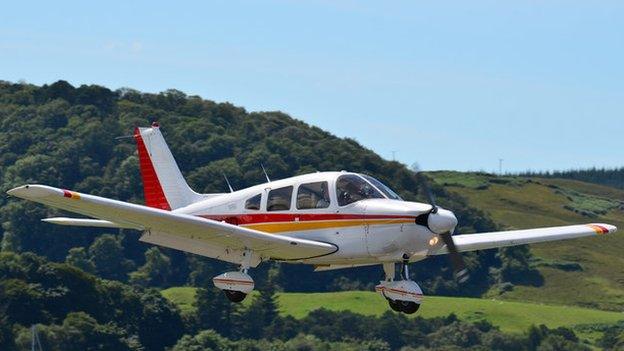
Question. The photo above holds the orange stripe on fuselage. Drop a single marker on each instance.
(288, 222)
(315, 225)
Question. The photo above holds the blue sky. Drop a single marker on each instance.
(450, 85)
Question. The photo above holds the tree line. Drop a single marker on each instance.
(613, 177)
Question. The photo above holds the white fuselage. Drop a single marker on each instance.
(366, 231)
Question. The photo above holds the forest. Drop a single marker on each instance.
(94, 289)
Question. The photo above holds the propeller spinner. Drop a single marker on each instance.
(443, 222)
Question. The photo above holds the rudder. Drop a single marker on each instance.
(164, 186)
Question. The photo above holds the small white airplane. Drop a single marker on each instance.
(331, 220)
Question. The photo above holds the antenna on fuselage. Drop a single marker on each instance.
(228, 183)
(265, 173)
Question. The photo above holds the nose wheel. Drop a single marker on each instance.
(407, 307)
(403, 295)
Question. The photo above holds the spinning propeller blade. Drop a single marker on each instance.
(459, 267)
(428, 193)
(457, 261)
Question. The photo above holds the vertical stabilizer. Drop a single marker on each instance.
(163, 184)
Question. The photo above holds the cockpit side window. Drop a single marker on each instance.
(312, 195)
(279, 199)
(382, 187)
(253, 203)
(351, 188)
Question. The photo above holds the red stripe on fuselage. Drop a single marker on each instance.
(257, 218)
(152, 190)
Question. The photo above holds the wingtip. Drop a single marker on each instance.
(31, 191)
(17, 191)
(603, 228)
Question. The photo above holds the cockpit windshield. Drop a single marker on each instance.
(382, 187)
(351, 188)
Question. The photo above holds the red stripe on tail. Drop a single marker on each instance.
(152, 190)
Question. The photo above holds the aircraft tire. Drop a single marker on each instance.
(409, 307)
(395, 305)
(234, 296)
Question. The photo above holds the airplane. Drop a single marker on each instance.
(331, 220)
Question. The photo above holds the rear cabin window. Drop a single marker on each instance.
(279, 199)
(312, 195)
(351, 188)
(253, 203)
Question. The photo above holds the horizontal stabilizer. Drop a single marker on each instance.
(331, 267)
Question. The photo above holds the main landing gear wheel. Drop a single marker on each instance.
(235, 285)
(234, 296)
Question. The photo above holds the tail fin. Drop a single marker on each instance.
(164, 186)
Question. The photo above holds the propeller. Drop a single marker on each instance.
(442, 222)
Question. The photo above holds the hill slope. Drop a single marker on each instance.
(587, 272)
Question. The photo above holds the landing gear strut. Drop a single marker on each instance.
(403, 295)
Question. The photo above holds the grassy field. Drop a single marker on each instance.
(509, 316)
(515, 202)
(182, 297)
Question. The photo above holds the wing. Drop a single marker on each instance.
(176, 230)
(482, 241)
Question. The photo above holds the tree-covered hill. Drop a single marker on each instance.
(68, 137)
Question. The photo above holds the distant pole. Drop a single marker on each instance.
(393, 155)
(500, 166)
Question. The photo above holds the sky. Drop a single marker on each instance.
(449, 85)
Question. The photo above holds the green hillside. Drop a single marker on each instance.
(509, 316)
(587, 272)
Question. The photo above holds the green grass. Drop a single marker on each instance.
(509, 316)
(181, 296)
